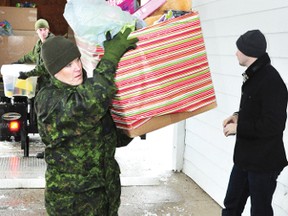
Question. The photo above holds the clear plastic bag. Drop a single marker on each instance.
(92, 19)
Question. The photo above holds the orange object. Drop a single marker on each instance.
(14, 126)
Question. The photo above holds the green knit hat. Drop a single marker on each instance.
(57, 52)
(41, 23)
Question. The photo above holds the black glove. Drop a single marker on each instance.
(122, 138)
(117, 46)
(22, 75)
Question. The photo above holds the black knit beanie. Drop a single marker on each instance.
(252, 43)
(57, 52)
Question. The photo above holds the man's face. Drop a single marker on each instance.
(42, 33)
(242, 58)
(72, 73)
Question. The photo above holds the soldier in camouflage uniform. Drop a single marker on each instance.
(34, 57)
(80, 137)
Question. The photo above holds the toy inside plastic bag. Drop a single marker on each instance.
(91, 20)
(5, 28)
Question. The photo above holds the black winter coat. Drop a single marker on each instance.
(262, 118)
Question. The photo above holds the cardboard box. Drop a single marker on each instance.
(19, 18)
(165, 120)
(22, 21)
(14, 47)
(25, 33)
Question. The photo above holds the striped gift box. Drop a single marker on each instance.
(167, 73)
(165, 79)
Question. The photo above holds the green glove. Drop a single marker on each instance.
(117, 46)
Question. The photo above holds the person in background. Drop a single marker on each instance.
(34, 57)
(80, 136)
(259, 153)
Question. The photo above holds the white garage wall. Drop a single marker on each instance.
(208, 153)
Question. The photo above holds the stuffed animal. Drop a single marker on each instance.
(183, 5)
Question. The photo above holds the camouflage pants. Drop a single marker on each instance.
(93, 202)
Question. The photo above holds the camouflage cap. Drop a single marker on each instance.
(41, 23)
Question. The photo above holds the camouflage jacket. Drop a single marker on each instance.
(75, 124)
(34, 57)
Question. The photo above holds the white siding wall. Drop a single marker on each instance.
(208, 153)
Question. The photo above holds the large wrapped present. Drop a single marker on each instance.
(165, 80)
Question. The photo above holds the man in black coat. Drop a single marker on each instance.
(259, 154)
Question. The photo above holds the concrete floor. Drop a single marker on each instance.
(149, 187)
